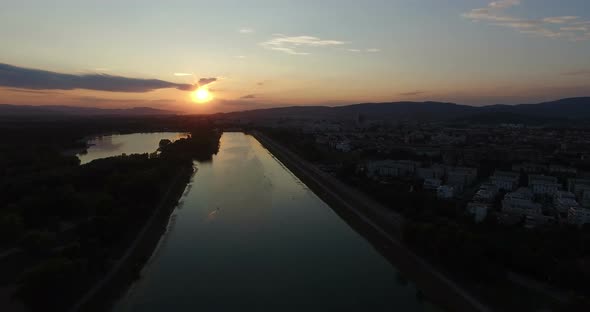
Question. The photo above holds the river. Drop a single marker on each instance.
(247, 235)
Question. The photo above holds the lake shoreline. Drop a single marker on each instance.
(435, 286)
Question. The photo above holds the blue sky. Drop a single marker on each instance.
(269, 53)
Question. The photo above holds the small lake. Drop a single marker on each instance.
(248, 235)
(117, 144)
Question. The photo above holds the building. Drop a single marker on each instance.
(392, 168)
(459, 177)
(445, 192)
(432, 184)
(486, 193)
(563, 201)
(578, 216)
(343, 146)
(580, 188)
(505, 180)
(521, 203)
(562, 169)
(529, 167)
(543, 185)
(479, 210)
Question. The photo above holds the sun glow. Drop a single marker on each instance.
(202, 95)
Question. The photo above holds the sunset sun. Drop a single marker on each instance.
(201, 95)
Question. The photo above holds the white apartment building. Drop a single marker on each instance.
(541, 184)
(521, 203)
(505, 180)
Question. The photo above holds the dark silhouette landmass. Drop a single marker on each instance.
(572, 108)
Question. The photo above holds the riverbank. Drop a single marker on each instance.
(379, 225)
(126, 270)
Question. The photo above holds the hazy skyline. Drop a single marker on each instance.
(255, 54)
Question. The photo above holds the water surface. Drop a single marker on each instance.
(249, 236)
(117, 144)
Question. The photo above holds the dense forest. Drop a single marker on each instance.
(68, 223)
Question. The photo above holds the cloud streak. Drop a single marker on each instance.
(248, 97)
(583, 72)
(568, 27)
(36, 79)
(413, 93)
(291, 44)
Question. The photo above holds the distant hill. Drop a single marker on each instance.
(572, 108)
(23, 110)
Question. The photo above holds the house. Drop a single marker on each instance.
(543, 185)
(520, 202)
(563, 201)
(432, 184)
(445, 192)
(578, 216)
(479, 210)
(505, 180)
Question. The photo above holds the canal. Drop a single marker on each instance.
(247, 235)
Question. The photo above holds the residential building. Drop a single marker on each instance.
(521, 202)
(486, 193)
(461, 176)
(578, 216)
(580, 188)
(392, 168)
(563, 201)
(562, 169)
(445, 192)
(432, 184)
(505, 180)
(543, 185)
(479, 210)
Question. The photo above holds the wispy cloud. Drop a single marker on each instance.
(412, 93)
(206, 81)
(241, 56)
(504, 4)
(248, 97)
(569, 27)
(246, 30)
(582, 72)
(182, 74)
(354, 50)
(373, 50)
(36, 79)
(291, 44)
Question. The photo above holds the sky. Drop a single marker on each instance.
(267, 53)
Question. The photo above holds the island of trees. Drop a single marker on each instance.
(63, 226)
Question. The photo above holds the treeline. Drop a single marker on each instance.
(72, 222)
